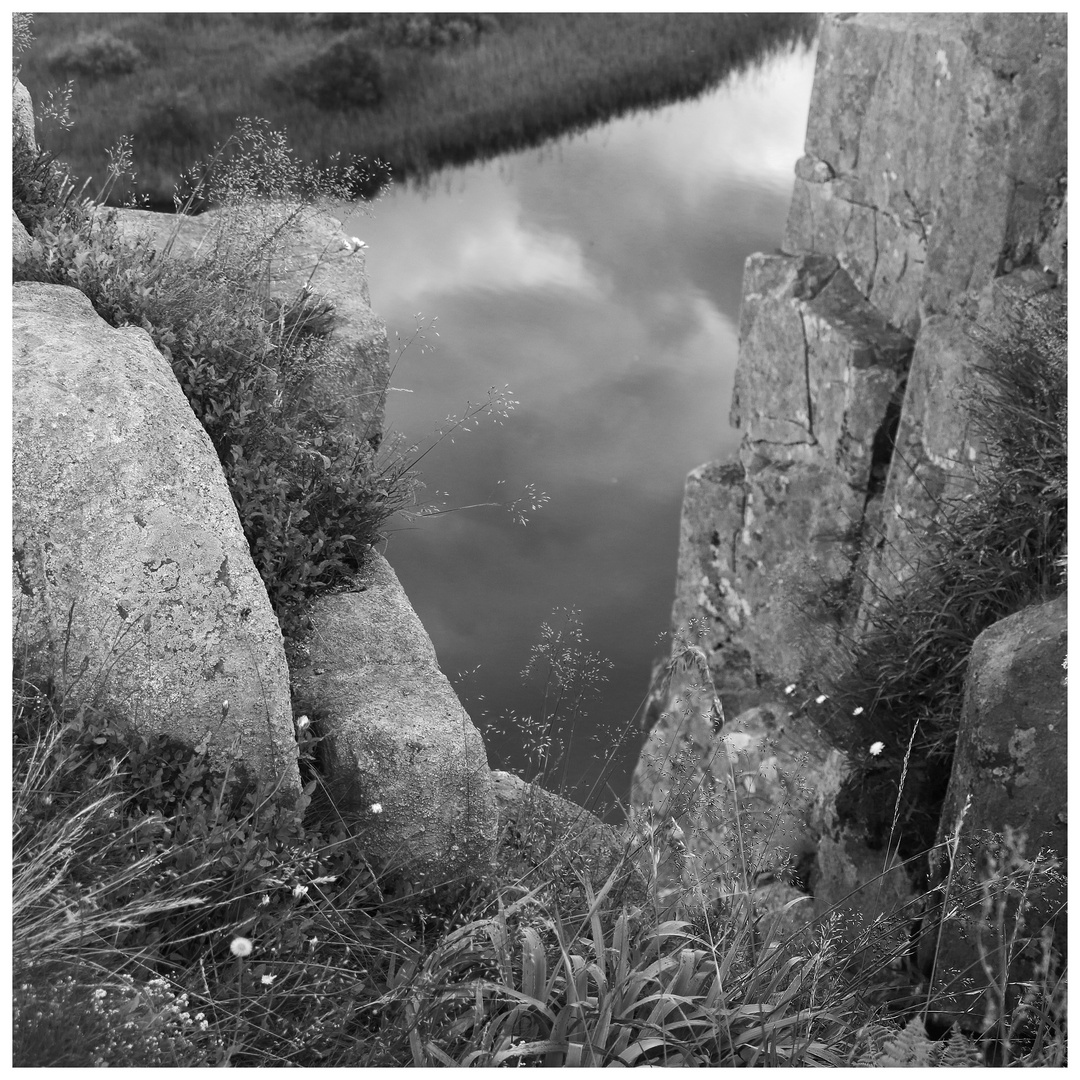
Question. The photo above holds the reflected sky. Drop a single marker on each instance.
(600, 278)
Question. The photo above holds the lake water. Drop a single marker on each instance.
(599, 277)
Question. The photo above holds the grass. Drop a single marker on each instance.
(515, 81)
(161, 918)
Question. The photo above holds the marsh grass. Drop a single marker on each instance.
(449, 96)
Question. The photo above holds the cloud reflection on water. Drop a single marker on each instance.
(601, 279)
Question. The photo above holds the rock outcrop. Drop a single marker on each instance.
(1010, 771)
(931, 196)
(132, 573)
(314, 256)
(394, 733)
(541, 832)
(22, 114)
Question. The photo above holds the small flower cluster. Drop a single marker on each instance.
(875, 748)
(126, 1024)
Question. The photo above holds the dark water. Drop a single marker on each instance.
(600, 278)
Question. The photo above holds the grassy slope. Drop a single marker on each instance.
(533, 77)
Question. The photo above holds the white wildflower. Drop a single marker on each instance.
(876, 748)
(241, 947)
(265, 900)
(821, 699)
(299, 891)
(268, 980)
(857, 711)
(354, 243)
(302, 722)
(376, 807)
(789, 689)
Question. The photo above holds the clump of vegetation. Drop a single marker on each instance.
(311, 491)
(345, 73)
(96, 55)
(994, 551)
(454, 86)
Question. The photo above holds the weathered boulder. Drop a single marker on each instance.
(541, 831)
(743, 794)
(935, 148)
(313, 254)
(394, 733)
(20, 239)
(22, 113)
(131, 567)
(1011, 761)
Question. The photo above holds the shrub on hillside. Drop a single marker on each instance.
(346, 73)
(170, 125)
(96, 55)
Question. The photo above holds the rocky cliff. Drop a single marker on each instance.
(931, 196)
(135, 592)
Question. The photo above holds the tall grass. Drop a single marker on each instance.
(163, 919)
(523, 79)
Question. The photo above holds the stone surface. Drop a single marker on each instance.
(22, 113)
(938, 444)
(743, 793)
(765, 538)
(539, 829)
(313, 253)
(1012, 761)
(20, 239)
(864, 886)
(394, 733)
(935, 148)
(129, 555)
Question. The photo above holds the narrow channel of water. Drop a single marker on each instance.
(600, 279)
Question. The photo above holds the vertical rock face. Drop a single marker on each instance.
(935, 153)
(931, 196)
(1011, 763)
(820, 374)
(131, 568)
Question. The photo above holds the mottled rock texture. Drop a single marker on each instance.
(931, 197)
(541, 832)
(20, 239)
(313, 254)
(22, 113)
(935, 153)
(131, 568)
(1012, 763)
(394, 733)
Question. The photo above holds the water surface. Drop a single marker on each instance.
(600, 278)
